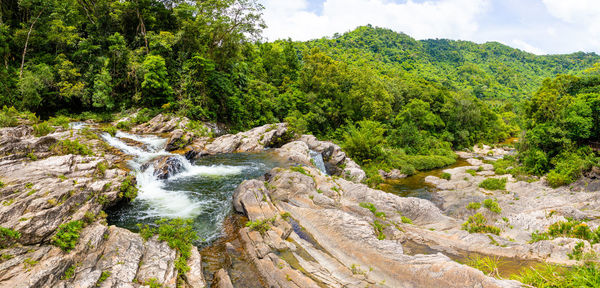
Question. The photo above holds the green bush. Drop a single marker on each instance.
(112, 130)
(428, 162)
(67, 235)
(472, 172)
(552, 276)
(473, 205)
(406, 220)
(8, 236)
(62, 121)
(478, 224)
(128, 188)
(180, 235)
(262, 225)
(8, 117)
(493, 184)
(492, 205)
(42, 129)
(446, 176)
(124, 125)
(364, 143)
(567, 169)
(67, 146)
(569, 229)
(145, 115)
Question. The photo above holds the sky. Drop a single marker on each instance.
(536, 26)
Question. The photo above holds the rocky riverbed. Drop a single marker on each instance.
(310, 224)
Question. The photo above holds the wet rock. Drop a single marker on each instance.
(222, 279)
(296, 151)
(167, 166)
(394, 174)
(178, 140)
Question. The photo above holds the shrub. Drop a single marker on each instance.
(179, 234)
(112, 130)
(262, 225)
(472, 172)
(8, 117)
(145, 115)
(446, 176)
(548, 275)
(8, 236)
(67, 146)
(67, 235)
(62, 121)
(128, 188)
(570, 229)
(42, 129)
(474, 205)
(478, 224)
(364, 143)
(406, 220)
(493, 184)
(1, 184)
(428, 162)
(568, 168)
(69, 273)
(124, 125)
(492, 205)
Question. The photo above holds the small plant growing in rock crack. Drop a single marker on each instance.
(478, 224)
(474, 205)
(371, 207)
(446, 176)
(2, 184)
(492, 205)
(8, 236)
(261, 225)
(69, 273)
(406, 220)
(67, 235)
(101, 169)
(577, 252)
(472, 172)
(153, 283)
(378, 226)
(285, 215)
(128, 189)
(28, 263)
(31, 156)
(103, 277)
(178, 234)
(112, 130)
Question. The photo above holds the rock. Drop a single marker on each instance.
(296, 151)
(178, 140)
(222, 279)
(353, 172)
(161, 124)
(254, 140)
(394, 174)
(40, 195)
(349, 253)
(167, 166)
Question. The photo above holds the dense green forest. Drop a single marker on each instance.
(392, 101)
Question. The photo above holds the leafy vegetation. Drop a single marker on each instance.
(67, 146)
(571, 229)
(488, 265)
(492, 205)
(8, 236)
(493, 184)
(260, 225)
(478, 224)
(552, 276)
(128, 188)
(67, 235)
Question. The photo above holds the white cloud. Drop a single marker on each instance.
(429, 19)
(517, 43)
(574, 11)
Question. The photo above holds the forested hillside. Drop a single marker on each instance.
(389, 99)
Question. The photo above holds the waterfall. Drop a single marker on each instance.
(158, 201)
(318, 161)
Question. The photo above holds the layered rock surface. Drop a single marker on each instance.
(42, 189)
(314, 224)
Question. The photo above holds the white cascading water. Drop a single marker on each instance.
(162, 202)
(318, 159)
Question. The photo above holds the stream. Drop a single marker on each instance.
(202, 190)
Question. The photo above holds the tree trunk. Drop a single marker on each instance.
(27, 42)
